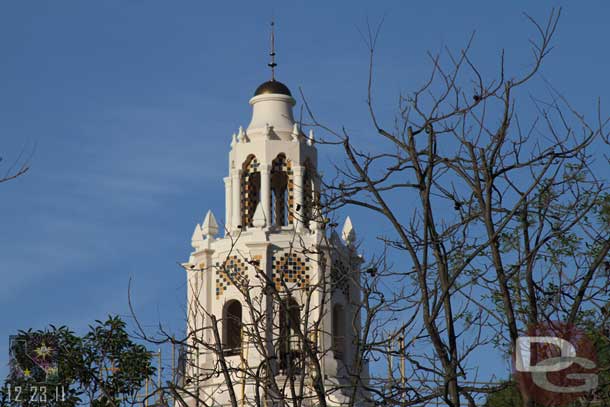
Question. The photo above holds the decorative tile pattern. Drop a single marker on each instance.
(250, 189)
(292, 268)
(232, 271)
(339, 280)
(257, 259)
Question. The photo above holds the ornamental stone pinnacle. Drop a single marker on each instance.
(241, 135)
(210, 226)
(348, 233)
(296, 133)
(334, 238)
(197, 238)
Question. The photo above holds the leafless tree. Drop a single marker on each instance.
(19, 167)
(498, 221)
(290, 372)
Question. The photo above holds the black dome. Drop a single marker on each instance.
(272, 87)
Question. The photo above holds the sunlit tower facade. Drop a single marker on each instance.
(273, 295)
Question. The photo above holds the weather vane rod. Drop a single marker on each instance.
(272, 64)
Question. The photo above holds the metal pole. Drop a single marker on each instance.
(173, 360)
(243, 364)
(173, 373)
(146, 394)
(197, 381)
(403, 368)
(390, 367)
(159, 378)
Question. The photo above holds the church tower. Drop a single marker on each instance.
(273, 295)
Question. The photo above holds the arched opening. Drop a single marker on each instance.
(281, 191)
(290, 344)
(338, 330)
(231, 338)
(250, 189)
(308, 193)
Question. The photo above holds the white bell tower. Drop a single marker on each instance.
(272, 299)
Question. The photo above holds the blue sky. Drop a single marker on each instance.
(131, 105)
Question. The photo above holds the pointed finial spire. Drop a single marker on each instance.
(234, 140)
(311, 139)
(272, 64)
(348, 233)
(210, 226)
(295, 132)
(334, 238)
(197, 238)
(241, 135)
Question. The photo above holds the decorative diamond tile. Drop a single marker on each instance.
(291, 268)
(233, 271)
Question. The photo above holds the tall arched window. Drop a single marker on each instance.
(250, 189)
(232, 327)
(338, 330)
(290, 345)
(281, 191)
(308, 193)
